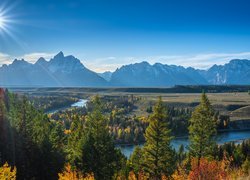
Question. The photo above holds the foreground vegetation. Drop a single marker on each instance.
(33, 146)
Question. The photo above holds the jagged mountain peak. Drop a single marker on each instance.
(143, 74)
(66, 64)
(64, 70)
(19, 63)
(236, 71)
(59, 55)
(41, 61)
(238, 61)
(143, 63)
(60, 70)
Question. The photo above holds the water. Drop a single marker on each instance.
(80, 103)
(220, 139)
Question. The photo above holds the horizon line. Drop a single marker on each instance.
(198, 61)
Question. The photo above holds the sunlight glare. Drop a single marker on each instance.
(1, 21)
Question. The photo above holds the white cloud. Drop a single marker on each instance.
(4, 59)
(204, 61)
(111, 63)
(199, 61)
(33, 57)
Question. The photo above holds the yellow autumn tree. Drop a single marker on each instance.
(69, 174)
(7, 173)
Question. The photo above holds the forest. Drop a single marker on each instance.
(81, 143)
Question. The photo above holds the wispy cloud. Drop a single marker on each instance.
(4, 58)
(33, 57)
(199, 61)
(204, 61)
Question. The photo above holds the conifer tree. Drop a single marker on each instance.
(33, 154)
(4, 127)
(74, 145)
(202, 130)
(135, 161)
(159, 157)
(99, 155)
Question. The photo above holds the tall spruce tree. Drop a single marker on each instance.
(74, 145)
(135, 161)
(33, 154)
(202, 129)
(4, 127)
(159, 157)
(99, 155)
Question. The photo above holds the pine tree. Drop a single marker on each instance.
(99, 155)
(4, 133)
(135, 161)
(159, 157)
(202, 129)
(74, 145)
(33, 154)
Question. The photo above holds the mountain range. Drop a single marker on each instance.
(68, 71)
(60, 71)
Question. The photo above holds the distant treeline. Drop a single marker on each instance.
(175, 89)
(188, 89)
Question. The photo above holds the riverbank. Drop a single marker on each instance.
(79, 103)
(221, 138)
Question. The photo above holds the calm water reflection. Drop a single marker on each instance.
(220, 138)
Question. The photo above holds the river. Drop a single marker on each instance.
(79, 103)
(221, 138)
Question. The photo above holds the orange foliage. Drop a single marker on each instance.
(208, 170)
(7, 173)
(180, 174)
(141, 176)
(69, 174)
(67, 131)
(132, 176)
(236, 174)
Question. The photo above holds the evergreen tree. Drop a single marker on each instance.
(34, 154)
(181, 155)
(202, 129)
(159, 157)
(99, 155)
(74, 146)
(4, 133)
(135, 161)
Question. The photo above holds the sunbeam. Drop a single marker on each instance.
(2, 21)
(8, 24)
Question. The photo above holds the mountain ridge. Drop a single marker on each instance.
(68, 71)
(59, 71)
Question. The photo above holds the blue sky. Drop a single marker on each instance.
(105, 34)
